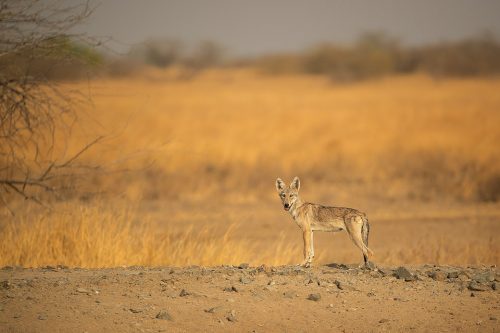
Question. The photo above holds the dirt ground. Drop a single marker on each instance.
(336, 298)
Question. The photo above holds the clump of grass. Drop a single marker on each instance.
(90, 236)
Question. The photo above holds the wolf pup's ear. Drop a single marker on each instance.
(295, 183)
(280, 185)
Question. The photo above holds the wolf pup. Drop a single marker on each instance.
(313, 217)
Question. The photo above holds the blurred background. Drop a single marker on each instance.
(151, 133)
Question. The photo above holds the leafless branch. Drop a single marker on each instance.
(34, 112)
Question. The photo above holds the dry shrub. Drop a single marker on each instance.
(83, 236)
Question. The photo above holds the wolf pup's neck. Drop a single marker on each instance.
(293, 209)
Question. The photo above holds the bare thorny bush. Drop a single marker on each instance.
(36, 118)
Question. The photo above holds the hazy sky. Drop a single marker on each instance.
(259, 26)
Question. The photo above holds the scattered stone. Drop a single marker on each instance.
(453, 275)
(376, 273)
(330, 305)
(369, 266)
(493, 318)
(472, 295)
(289, 294)
(164, 315)
(338, 266)
(184, 293)
(370, 294)
(403, 273)
(82, 290)
(494, 286)
(243, 266)
(245, 280)
(484, 277)
(474, 286)
(215, 309)
(383, 320)
(438, 275)
(134, 310)
(231, 316)
(463, 277)
(231, 289)
(43, 316)
(271, 283)
(314, 297)
(344, 286)
(385, 271)
(5, 284)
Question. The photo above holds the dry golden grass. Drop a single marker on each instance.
(97, 237)
(415, 136)
(205, 153)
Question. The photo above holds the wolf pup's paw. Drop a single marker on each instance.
(306, 264)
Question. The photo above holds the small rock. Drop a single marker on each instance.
(463, 277)
(5, 284)
(215, 309)
(474, 286)
(231, 289)
(403, 273)
(164, 315)
(184, 293)
(134, 310)
(438, 275)
(231, 316)
(271, 283)
(494, 286)
(453, 275)
(385, 271)
(384, 320)
(42, 316)
(314, 297)
(493, 318)
(245, 280)
(370, 266)
(243, 266)
(338, 266)
(82, 291)
(484, 277)
(344, 286)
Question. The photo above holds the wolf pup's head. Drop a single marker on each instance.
(288, 194)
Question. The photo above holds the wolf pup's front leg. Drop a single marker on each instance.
(308, 251)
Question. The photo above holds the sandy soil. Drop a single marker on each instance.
(334, 298)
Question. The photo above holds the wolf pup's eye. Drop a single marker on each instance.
(282, 195)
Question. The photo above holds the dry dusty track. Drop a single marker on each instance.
(246, 299)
